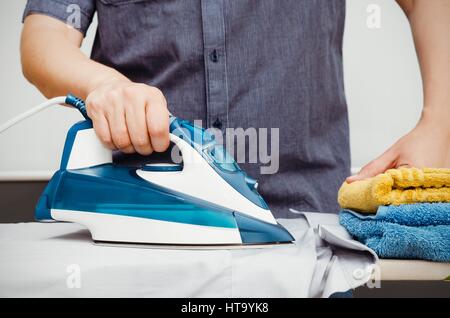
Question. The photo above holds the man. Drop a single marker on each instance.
(242, 63)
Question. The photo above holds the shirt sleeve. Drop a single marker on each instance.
(76, 13)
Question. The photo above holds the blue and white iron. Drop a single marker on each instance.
(206, 200)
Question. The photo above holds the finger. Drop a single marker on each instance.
(403, 165)
(157, 117)
(101, 129)
(99, 122)
(118, 127)
(377, 166)
(137, 127)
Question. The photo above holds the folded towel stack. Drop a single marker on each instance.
(408, 231)
(412, 208)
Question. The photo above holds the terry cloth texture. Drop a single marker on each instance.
(407, 231)
(396, 186)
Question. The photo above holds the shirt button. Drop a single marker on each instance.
(217, 124)
(214, 56)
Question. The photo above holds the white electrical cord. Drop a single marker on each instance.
(32, 111)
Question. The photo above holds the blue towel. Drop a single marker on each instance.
(407, 231)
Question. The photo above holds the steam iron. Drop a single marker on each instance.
(206, 200)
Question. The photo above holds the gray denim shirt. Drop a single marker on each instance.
(240, 63)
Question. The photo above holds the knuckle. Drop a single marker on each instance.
(156, 92)
(161, 147)
(142, 85)
(145, 152)
(164, 145)
(104, 138)
(128, 150)
(128, 91)
(121, 144)
(122, 131)
(144, 149)
(158, 131)
(93, 104)
(92, 113)
(113, 94)
(122, 141)
(141, 142)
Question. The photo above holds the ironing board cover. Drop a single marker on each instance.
(60, 260)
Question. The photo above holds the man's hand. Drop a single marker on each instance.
(427, 145)
(126, 116)
(130, 117)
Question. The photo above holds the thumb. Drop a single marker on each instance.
(377, 166)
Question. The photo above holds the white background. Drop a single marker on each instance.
(382, 81)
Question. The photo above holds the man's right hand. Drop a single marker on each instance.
(130, 117)
(126, 116)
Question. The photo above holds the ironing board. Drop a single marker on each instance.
(407, 270)
(60, 260)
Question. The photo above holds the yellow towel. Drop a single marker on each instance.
(396, 186)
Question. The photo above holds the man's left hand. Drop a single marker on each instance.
(427, 145)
